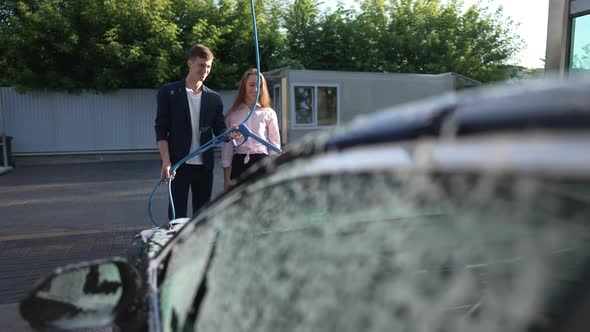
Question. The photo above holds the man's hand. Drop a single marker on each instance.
(227, 182)
(166, 171)
(165, 157)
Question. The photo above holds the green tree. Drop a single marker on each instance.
(581, 60)
(302, 31)
(336, 45)
(429, 36)
(234, 50)
(371, 32)
(198, 21)
(404, 36)
(80, 44)
(111, 44)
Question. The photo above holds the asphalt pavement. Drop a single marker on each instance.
(56, 211)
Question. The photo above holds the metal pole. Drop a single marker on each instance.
(557, 38)
(3, 129)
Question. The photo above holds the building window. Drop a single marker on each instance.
(277, 103)
(315, 105)
(276, 98)
(327, 106)
(580, 44)
(304, 101)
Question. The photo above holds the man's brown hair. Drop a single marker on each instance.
(201, 51)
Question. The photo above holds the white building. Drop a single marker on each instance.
(312, 100)
(568, 37)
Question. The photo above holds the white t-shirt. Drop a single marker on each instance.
(194, 104)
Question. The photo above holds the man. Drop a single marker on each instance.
(188, 115)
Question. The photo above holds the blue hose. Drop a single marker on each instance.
(242, 128)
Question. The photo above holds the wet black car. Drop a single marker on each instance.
(459, 213)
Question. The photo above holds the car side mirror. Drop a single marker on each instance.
(90, 294)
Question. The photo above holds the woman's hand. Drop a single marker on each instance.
(227, 184)
(227, 181)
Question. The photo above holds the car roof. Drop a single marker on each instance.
(546, 105)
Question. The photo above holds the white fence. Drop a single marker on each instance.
(42, 122)
(3, 145)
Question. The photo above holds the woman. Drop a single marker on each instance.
(262, 123)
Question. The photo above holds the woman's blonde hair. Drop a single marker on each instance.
(263, 98)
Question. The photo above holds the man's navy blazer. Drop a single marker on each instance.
(173, 120)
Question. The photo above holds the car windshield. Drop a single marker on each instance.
(378, 250)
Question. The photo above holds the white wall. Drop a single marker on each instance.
(55, 122)
(362, 93)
